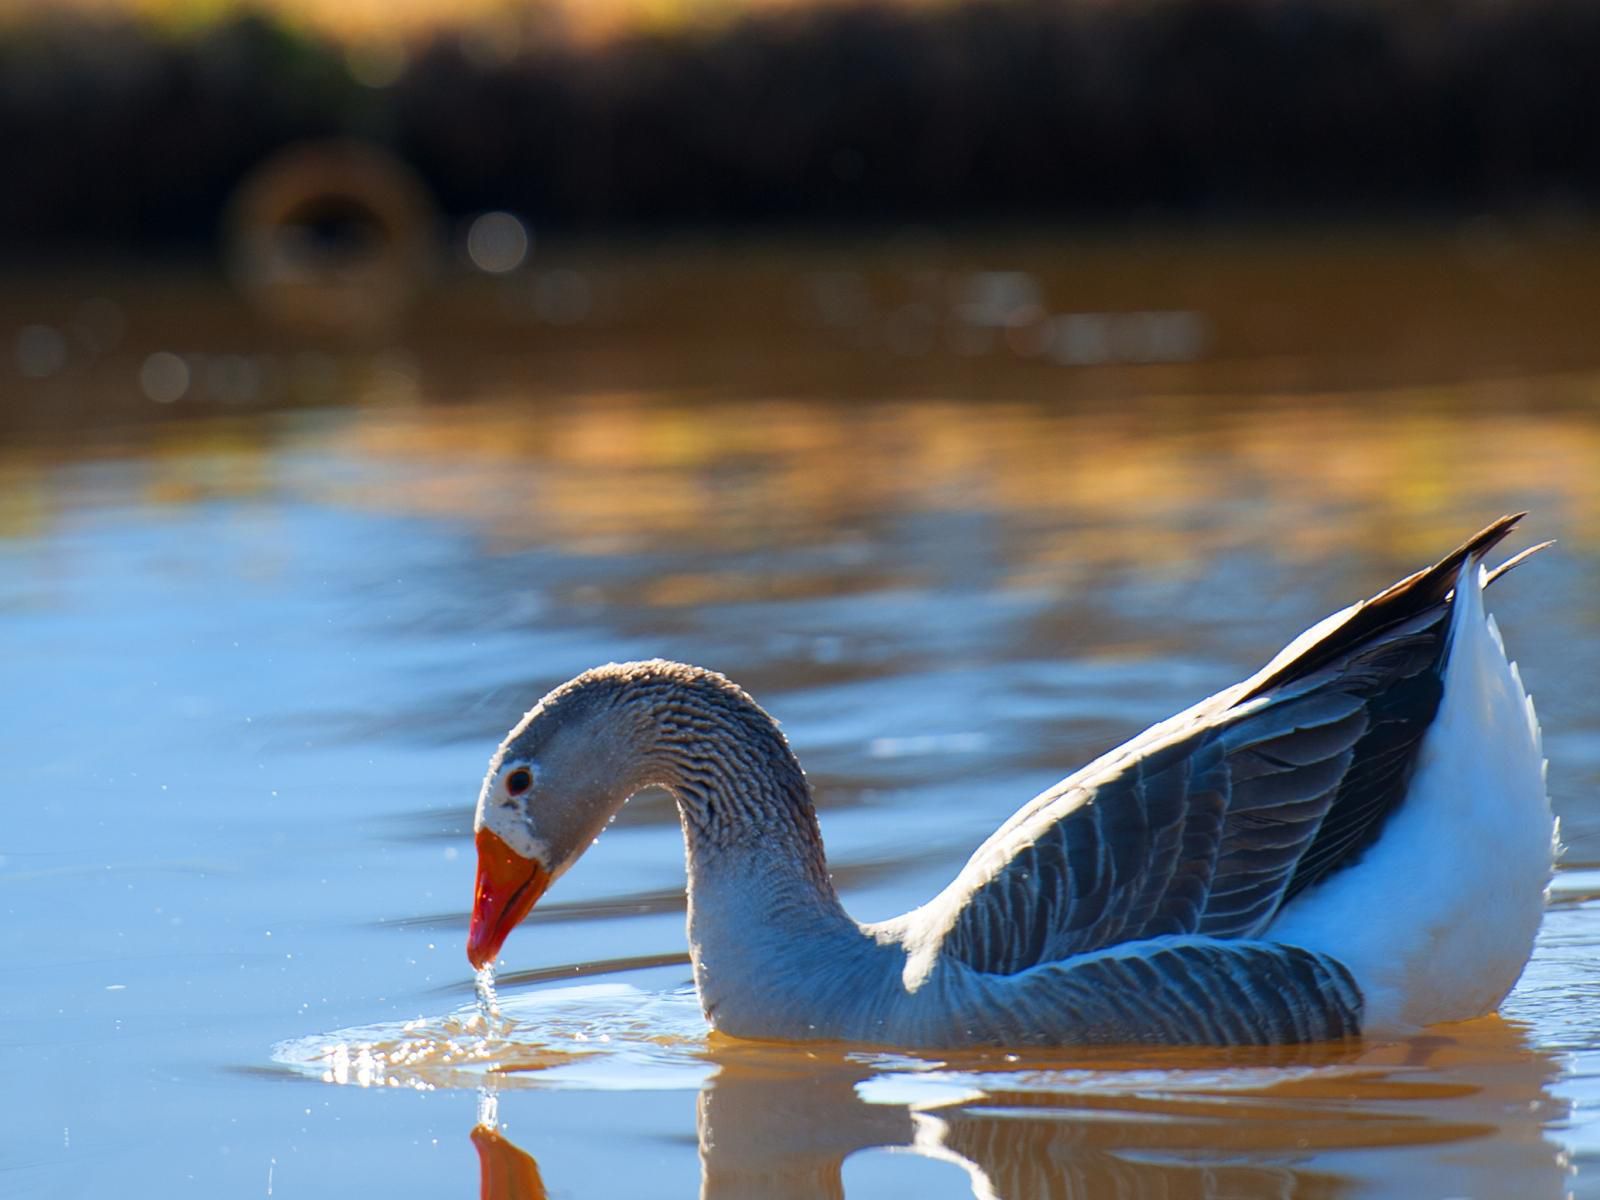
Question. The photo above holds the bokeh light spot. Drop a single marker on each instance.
(376, 63)
(164, 377)
(497, 243)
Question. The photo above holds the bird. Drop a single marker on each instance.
(1355, 841)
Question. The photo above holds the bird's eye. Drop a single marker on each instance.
(519, 781)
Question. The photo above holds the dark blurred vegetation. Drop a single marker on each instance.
(116, 135)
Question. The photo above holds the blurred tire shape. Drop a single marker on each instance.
(336, 236)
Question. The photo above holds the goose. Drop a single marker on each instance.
(1354, 841)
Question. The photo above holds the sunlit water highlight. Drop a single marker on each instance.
(601, 1035)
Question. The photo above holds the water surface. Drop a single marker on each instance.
(259, 651)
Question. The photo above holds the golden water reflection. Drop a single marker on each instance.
(1472, 1100)
(625, 472)
(1400, 471)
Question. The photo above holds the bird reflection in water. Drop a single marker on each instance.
(504, 1171)
(1473, 1102)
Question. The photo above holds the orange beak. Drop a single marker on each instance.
(508, 887)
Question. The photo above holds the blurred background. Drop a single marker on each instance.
(976, 381)
(217, 206)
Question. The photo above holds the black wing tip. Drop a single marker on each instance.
(1433, 584)
(1486, 539)
(1478, 545)
(1399, 602)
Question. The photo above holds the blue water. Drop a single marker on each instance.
(252, 682)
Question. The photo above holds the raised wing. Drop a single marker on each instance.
(1208, 823)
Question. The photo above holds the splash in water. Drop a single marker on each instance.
(488, 1002)
(488, 1108)
(594, 1035)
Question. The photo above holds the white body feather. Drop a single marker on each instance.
(1438, 918)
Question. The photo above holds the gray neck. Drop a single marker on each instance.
(739, 787)
(764, 919)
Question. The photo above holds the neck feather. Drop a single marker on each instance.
(740, 790)
(737, 782)
(770, 942)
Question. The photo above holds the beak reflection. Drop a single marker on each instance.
(504, 1171)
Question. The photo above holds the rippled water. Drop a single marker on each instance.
(257, 662)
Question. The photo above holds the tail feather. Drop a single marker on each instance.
(1516, 560)
(1434, 583)
(1411, 597)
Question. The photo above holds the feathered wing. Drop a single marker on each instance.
(1209, 822)
(1182, 991)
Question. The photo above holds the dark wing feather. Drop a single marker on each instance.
(1398, 716)
(1208, 823)
(1185, 991)
(1200, 835)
